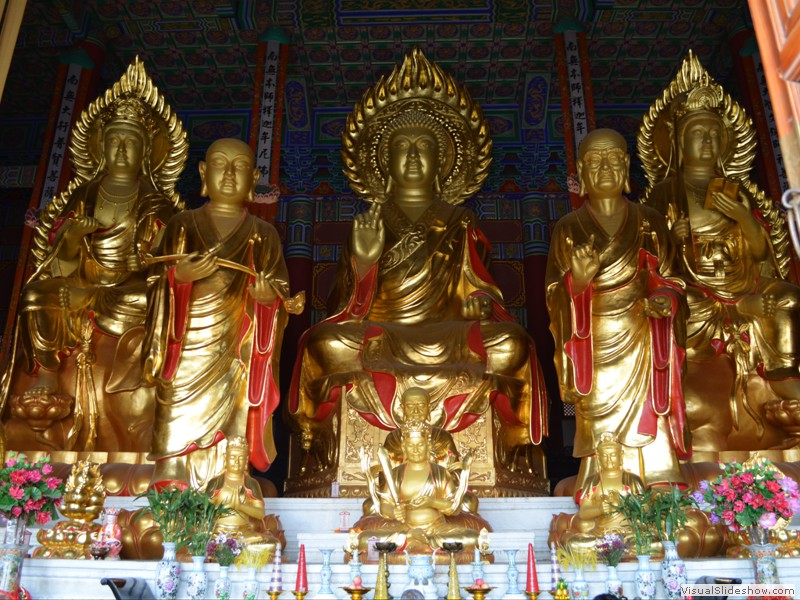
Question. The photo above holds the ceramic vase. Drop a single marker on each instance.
(197, 582)
(11, 557)
(579, 589)
(222, 586)
(326, 574)
(613, 582)
(250, 585)
(512, 574)
(645, 579)
(168, 574)
(673, 570)
(762, 552)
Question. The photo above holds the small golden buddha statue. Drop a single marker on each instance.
(616, 317)
(236, 489)
(743, 328)
(419, 502)
(217, 309)
(82, 311)
(413, 304)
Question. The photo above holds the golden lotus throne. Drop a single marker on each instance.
(414, 304)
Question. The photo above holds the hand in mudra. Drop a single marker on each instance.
(262, 290)
(368, 236)
(82, 226)
(658, 307)
(195, 267)
(584, 262)
(477, 307)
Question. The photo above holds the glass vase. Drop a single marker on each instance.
(168, 574)
(197, 581)
(580, 587)
(613, 582)
(222, 586)
(645, 579)
(762, 552)
(673, 570)
(11, 556)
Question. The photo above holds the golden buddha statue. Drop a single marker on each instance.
(743, 328)
(217, 309)
(419, 501)
(413, 304)
(82, 311)
(237, 490)
(616, 316)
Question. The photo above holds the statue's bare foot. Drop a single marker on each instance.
(45, 384)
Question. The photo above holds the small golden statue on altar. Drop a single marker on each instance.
(82, 311)
(413, 304)
(240, 492)
(617, 317)
(217, 309)
(742, 385)
(82, 504)
(419, 503)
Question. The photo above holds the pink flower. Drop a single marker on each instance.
(43, 517)
(747, 497)
(34, 476)
(18, 477)
(729, 516)
(16, 511)
(11, 462)
(768, 519)
(747, 478)
(16, 492)
(47, 468)
(736, 481)
(738, 506)
(29, 505)
(730, 494)
(53, 482)
(773, 486)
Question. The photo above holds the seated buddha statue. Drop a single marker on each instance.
(743, 327)
(82, 311)
(413, 303)
(238, 490)
(419, 501)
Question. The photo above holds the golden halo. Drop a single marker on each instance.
(435, 98)
(136, 97)
(655, 139)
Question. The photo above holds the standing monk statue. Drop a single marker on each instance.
(414, 304)
(617, 317)
(743, 330)
(216, 316)
(86, 300)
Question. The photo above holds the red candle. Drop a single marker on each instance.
(302, 576)
(533, 578)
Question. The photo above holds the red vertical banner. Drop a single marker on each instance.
(577, 103)
(267, 118)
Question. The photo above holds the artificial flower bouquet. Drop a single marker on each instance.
(29, 492)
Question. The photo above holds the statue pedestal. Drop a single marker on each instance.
(329, 468)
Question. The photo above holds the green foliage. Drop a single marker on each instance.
(668, 508)
(655, 514)
(166, 509)
(201, 516)
(635, 509)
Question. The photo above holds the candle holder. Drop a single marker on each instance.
(532, 595)
(382, 583)
(357, 593)
(274, 594)
(478, 593)
(453, 548)
(299, 594)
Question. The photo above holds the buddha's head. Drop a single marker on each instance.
(125, 141)
(416, 441)
(603, 164)
(700, 135)
(236, 456)
(415, 403)
(228, 173)
(412, 155)
(609, 452)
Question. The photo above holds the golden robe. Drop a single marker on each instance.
(117, 298)
(620, 368)
(210, 347)
(401, 326)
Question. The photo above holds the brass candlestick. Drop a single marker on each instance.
(531, 595)
(478, 593)
(453, 548)
(274, 594)
(357, 593)
(299, 594)
(382, 583)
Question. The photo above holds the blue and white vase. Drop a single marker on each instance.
(579, 589)
(645, 578)
(168, 574)
(222, 586)
(613, 582)
(250, 585)
(197, 581)
(673, 571)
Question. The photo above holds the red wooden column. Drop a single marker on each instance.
(577, 99)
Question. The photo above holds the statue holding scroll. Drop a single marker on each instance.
(413, 303)
(743, 330)
(217, 309)
(82, 311)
